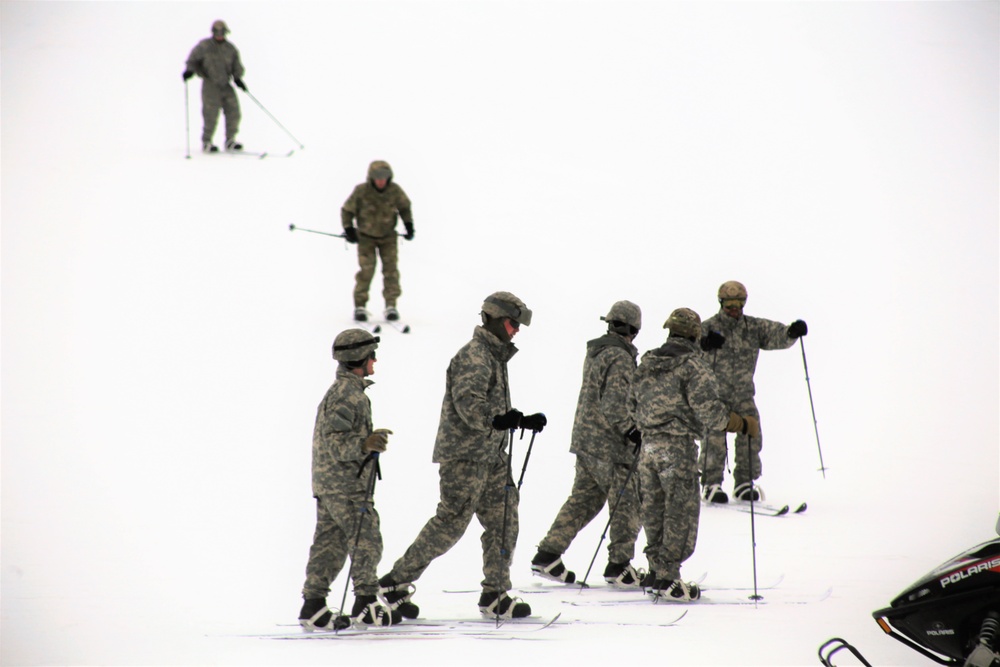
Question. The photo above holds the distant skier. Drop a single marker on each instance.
(675, 399)
(471, 450)
(342, 439)
(604, 441)
(734, 365)
(216, 60)
(376, 204)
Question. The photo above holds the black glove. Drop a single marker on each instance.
(535, 422)
(797, 329)
(239, 84)
(634, 435)
(351, 234)
(409, 231)
(713, 341)
(187, 74)
(508, 420)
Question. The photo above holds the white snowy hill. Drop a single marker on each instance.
(166, 339)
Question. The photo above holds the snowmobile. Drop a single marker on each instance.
(951, 615)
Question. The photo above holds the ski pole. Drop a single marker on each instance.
(526, 457)
(187, 121)
(272, 117)
(293, 228)
(507, 486)
(753, 532)
(369, 498)
(611, 516)
(812, 407)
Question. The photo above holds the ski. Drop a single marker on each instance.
(730, 600)
(256, 154)
(467, 627)
(761, 508)
(398, 325)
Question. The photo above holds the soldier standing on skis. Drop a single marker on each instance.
(734, 365)
(376, 204)
(606, 443)
(675, 399)
(216, 61)
(343, 440)
(471, 451)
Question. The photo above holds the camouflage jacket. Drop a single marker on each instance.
(476, 390)
(375, 211)
(215, 62)
(734, 364)
(602, 417)
(343, 421)
(674, 393)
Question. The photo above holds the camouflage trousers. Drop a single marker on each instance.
(336, 528)
(598, 483)
(387, 249)
(671, 503)
(468, 488)
(714, 450)
(214, 100)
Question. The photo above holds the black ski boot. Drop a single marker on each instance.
(315, 616)
(397, 596)
(747, 493)
(496, 604)
(550, 566)
(369, 611)
(623, 575)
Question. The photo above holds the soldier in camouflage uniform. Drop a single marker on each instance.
(342, 465)
(470, 449)
(376, 204)
(605, 442)
(734, 365)
(216, 60)
(675, 400)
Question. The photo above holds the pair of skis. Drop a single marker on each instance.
(760, 508)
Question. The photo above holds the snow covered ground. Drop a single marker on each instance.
(165, 339)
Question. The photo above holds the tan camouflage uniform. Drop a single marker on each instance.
(376, 214)
(603, 454)
(473, 465)
(343, 421)
(675, 399)
(216, 63)
(734, 365)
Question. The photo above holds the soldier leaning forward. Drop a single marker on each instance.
(605, 442)
(675, 400)
(376, 205)
(473, 464)
(343, 467)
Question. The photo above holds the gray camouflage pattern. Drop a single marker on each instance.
(603, 454)
(598, 482)
(216, 63)
(476, 390)
(473, 465)
(376, 213)
(675, 400)
(734, 365)
(468, 488)
(343, 421)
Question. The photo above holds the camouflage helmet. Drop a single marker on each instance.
(379, 169)
(684, 322)
(732, 289)
(354, 345)
(505, 304)
(625, 312)
(220, 28)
